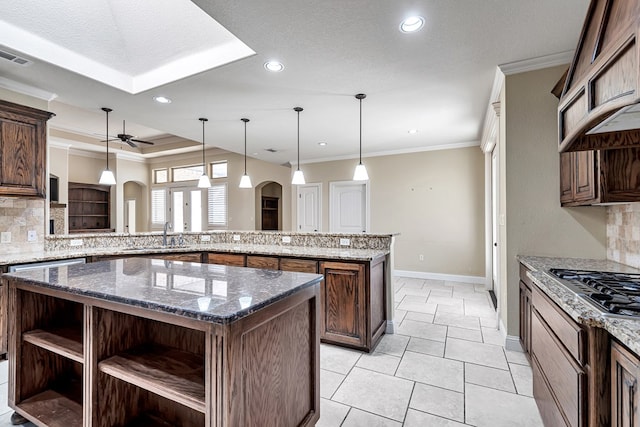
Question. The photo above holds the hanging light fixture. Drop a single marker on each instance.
(204, 181)
(298, 176)
(360, 173)
(245, 181)
(107, 177)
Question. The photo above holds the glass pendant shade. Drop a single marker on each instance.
(360, 173)
(245, 181)
(107, 178)
(204, 181)
(298, 178)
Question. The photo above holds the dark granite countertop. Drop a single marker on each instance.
(626, 330)
(208, 292)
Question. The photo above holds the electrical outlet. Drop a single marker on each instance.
(32, 236)
(5, 237)
(286, 239)
(345, 242)
(75, 242)
(236, 237)
(205, 238)
(421, 257)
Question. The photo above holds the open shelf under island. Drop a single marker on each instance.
(165, 343)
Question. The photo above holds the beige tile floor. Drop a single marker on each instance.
(445, 367)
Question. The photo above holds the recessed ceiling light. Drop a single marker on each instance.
(413, 131)
(322, 144)
(412, 24)
(274, 66)
(162, 99)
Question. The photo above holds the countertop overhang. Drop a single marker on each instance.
(625, 330)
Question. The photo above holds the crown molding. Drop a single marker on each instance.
(490, 128)
(54, 143)
(538, 63)
(25, 89)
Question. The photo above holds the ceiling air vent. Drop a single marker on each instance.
(14, 58)
(271, 150)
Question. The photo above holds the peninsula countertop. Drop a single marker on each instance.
(208, 292)
(347, 254)
(627, 331)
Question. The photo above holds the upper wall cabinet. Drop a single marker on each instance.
(600, 100)
(23, 150)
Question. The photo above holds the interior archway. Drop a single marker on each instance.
(268, 206)
(135, 207)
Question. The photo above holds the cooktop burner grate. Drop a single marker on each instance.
(616, 293)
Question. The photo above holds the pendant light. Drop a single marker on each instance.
(204, 181)
(360, 173)
(298, 176)
(245, 181)
(107, 177)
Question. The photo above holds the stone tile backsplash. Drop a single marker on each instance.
(623, 234)
(18, 216)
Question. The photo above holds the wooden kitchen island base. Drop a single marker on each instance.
(84, 361)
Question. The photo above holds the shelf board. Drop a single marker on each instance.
(53, 409)
(167, 372)
(66, 342)
(147, 420)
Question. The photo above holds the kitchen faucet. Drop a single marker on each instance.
(164, 236)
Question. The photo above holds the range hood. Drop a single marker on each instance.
(600, 102)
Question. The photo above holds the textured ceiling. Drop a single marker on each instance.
(437, 80)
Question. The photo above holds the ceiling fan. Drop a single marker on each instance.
(130, 139)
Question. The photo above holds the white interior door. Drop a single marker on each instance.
(494, 221)
(309, 208)
(349, 207)
(130, 216)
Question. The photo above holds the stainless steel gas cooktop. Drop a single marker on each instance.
(611, 293)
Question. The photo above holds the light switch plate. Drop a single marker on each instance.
(286, 239)
(345, 242)
(32, 236)
(5, 237)
(75, 242)
(205, 238)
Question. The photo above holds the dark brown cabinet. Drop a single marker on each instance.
(237, 260)
(525, 311)
(270, 213)
(352, 298)
(266, 262)
(625, 371)
(23, 150)
(606, 176)
(89, 208)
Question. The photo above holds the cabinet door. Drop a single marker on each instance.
(22, 150)
(584, 175)
(566, 177)
(342, 302)
(624, 387)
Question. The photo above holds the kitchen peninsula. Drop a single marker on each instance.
(141, 341)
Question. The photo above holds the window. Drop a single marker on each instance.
(158, 206)
(186, 173)
(217, 204)
(160, 176)
(218, 169)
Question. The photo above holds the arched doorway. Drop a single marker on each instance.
(268, 206)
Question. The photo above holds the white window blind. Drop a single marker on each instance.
(217, 205)
(158, 206)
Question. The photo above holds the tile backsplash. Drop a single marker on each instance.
(18, 216)
(623, 234)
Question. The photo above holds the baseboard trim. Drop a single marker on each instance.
(476, 280)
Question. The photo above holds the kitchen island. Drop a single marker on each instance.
(149, 342)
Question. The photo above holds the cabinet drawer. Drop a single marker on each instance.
(565, 377)
(300, 265)
(197, 257)
(549, 412)
(267, 262)
(523, 276)
(568, 332)
(226, 259)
